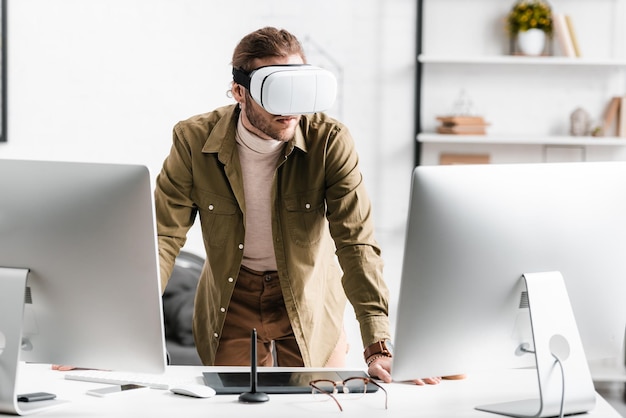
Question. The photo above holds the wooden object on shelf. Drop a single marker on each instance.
(611, 119)
(462, 130)
(462, 125)
(572, 35)
(621, 123)
(562, 34)
(450, 159)
(455, 120)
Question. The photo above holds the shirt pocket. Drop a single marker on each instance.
(218, 217)
(306, 217)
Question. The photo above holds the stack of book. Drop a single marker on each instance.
(462, 125)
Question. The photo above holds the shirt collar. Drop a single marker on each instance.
(222, 136)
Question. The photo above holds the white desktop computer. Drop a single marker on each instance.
(520, 265)
(79, 276)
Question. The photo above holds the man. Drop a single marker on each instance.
(280, 199)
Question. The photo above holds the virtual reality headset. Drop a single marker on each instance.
(291, 89)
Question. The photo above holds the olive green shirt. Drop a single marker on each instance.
(320, 214)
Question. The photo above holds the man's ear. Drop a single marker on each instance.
(239, 92)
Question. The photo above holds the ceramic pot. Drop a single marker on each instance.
(531, 42)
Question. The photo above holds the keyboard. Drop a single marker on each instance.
(123, 378)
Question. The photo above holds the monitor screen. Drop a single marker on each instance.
(473, 231)
(84, 236)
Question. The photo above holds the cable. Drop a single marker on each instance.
(524, 349)
(558, 361)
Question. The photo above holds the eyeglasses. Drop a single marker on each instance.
(353, 386)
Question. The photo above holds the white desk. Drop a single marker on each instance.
(448, 399)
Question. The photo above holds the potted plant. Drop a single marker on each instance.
(530, 21)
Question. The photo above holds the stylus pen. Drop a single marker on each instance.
(253, 395)
(253, 361)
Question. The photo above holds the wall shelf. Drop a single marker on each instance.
(521, 60)
(514, 139)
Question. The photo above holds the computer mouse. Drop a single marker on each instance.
(195, 390)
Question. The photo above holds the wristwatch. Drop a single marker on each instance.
(378, 349)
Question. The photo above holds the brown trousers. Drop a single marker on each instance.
(257, 302)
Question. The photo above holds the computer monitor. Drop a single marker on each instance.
(474, 232)
(79, 276)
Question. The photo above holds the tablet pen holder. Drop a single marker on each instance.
(253, 396)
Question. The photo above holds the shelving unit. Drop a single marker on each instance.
(526, 100)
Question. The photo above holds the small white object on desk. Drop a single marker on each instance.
(193, 390)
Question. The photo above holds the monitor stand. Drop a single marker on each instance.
(12, 297)
(554, 333)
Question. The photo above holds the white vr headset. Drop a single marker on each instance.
(291, 89)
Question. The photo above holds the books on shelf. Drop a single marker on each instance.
(462, 125)
(610, 116)
(566, 35)
(572, 35)
(561, 33)
(462, 130)
(614, 123)
(461, 120)
(621, 123)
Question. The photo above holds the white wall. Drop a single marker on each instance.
(106, 80)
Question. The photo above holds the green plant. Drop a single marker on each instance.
(530, 14)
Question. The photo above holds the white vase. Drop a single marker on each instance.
(531, 42)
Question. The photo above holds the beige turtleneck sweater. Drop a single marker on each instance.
(259, 158)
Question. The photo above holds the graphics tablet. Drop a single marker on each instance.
(277, 382)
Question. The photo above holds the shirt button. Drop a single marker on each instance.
(211, 207)
(241, 246)
(230, 280)
(308, 206)
(215, 334)
(222, 310)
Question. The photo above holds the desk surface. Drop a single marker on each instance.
(448, 399)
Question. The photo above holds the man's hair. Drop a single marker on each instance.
(263, 43)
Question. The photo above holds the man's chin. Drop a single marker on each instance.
(285, 134)
(285, 137)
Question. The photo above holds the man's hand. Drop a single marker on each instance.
(62, 368)
(381, 369)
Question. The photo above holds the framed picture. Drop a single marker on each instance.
(3, 70)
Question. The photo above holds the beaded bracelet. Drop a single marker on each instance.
(374, 357)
